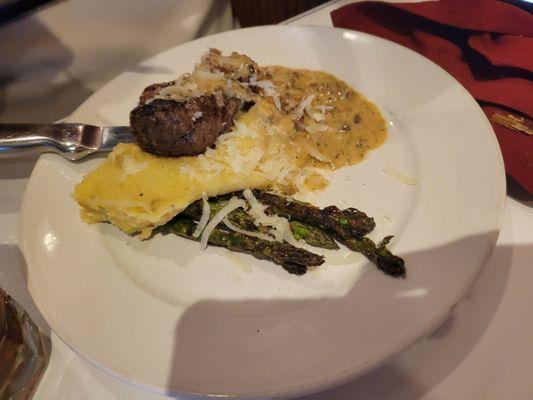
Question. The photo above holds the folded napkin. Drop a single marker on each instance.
(487, 45)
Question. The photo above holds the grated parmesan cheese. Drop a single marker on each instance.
(181, 90)
(235, 228)
(277, 102)
(318, 116)
(324, 108)
(406, 180)
(130, 166)
(205, 74)
(282, 230)
(196, 115)
(314, 128)
(204, 219)
(321, 116)
(269, 89)
(231, 205)
(315, 153)
(307, 173)
(304, 105)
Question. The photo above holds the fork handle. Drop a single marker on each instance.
(26, 139)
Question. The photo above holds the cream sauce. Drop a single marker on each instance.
(338, 127)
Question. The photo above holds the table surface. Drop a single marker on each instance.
(482, 351)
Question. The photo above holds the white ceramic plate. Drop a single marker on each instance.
(169, 317)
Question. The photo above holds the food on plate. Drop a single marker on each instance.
(138, 191)
(242, 220)
(164, 127)
(344, 223)
(257, 226)
(293, 127)
(293, 259)
(232, 125)
(186, 116)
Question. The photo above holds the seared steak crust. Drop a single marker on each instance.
(153, 90)
(174, 128)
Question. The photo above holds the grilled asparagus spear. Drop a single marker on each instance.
(348, 226)
(345, 223)
(293, 259)
(310, 234)
(331, 223)
(381, 256)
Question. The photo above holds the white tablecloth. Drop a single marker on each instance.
(484, 350)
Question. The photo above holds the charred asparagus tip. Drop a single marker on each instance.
(380, 255)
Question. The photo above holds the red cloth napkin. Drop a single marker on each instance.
(487, 45)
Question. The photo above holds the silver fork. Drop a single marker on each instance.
(72, 141)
